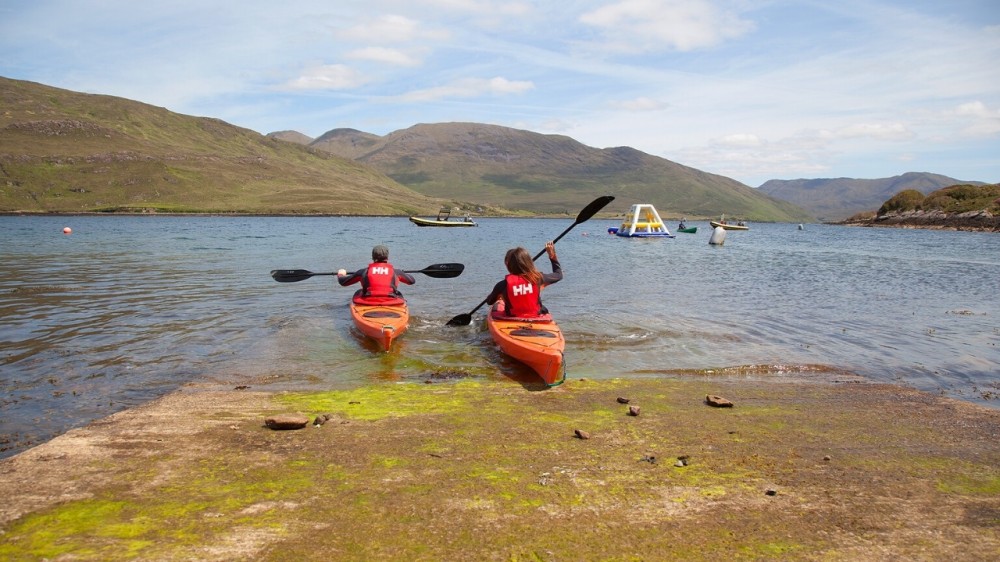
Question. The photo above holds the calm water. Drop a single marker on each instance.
(129, 308)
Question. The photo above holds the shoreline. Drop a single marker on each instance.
(800, 468)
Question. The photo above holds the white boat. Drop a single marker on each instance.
(642, 221)
(442, 220)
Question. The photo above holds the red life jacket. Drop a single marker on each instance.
(523, 296)
(381, 280)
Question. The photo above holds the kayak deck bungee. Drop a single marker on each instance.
(538, 343)
(381, 322)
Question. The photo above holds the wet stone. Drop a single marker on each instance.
(286, 421)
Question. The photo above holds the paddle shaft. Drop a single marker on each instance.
(439, 270)
(587, 212)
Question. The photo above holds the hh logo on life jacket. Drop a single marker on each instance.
(519, 290)
(380, 270)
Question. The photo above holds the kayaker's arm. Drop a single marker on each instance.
(556, 275)
(405, 277)
(350, 279)
(498, 290)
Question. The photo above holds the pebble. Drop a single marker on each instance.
(718, 401)
(623, 400)
(581, 434)
(286, 421)
(633, 410)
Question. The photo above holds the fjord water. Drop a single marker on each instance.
(126, 309)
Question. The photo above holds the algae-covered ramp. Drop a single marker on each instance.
(492, 471)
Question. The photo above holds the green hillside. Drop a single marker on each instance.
(547, 173)
(62, 151)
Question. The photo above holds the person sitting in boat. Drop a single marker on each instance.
(681, 225)
(379, 281)
(521, 289)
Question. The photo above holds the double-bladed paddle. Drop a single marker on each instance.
(439, 270)
(587, 212)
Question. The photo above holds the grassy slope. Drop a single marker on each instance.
(548, 173)
(63, 151)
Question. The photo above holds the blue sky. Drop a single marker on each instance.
(750, 89)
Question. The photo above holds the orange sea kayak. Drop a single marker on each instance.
(381, 322)
(538, 344)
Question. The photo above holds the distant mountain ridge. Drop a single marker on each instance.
(514, 168)
(833, 199)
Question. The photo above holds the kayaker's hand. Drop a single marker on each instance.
(341, 272)
(550, 248)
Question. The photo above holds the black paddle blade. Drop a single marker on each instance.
(595, 206)
(443, 270)
(291, 275)
(461, 320)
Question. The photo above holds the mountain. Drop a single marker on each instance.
(513, 168)
(63, 151)
(835, 199)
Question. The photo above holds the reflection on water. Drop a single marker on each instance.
(128, 308)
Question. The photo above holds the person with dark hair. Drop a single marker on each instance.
(379, 281)
(521, 289)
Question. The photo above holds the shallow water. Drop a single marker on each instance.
(128, 308)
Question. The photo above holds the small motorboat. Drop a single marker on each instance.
(738, 225)
(443, 219)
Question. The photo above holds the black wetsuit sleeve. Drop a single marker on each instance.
(556, 275)
(350, 279)
(498, 291)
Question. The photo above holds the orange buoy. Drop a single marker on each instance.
(67, 230)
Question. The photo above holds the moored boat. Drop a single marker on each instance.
(538, 343)
(688, 229)
(738, 225)
(443, 219)
(381, 322)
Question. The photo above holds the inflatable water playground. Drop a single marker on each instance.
(642, 221)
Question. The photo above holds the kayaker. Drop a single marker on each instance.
(521, 289)
(379, 281)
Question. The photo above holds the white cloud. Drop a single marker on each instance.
(636, 26)
(469, 88)
(641, 103)
(978, 119)
(328, 77)
(391, 28)
(740, 140)
(384, 55)
(880, 131)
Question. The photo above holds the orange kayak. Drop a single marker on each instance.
(538, 343)
(381, 322)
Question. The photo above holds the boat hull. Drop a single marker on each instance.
(432, 222)
(625, 234)
(688, 230)
(382, 323)
(537, 344)
(728, 226)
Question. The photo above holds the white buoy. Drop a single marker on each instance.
(801, 227)
(718, 236)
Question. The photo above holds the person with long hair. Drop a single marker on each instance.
(521, 289)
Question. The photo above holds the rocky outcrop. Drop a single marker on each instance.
(981, 220)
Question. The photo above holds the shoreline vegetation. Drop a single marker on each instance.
(959, 207)
(809, 466)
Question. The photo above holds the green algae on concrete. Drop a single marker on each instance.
(495, 471)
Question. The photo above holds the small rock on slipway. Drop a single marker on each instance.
(633, 410)
(581, 434)
(623, 400)
(718, 401)
(286, 421)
